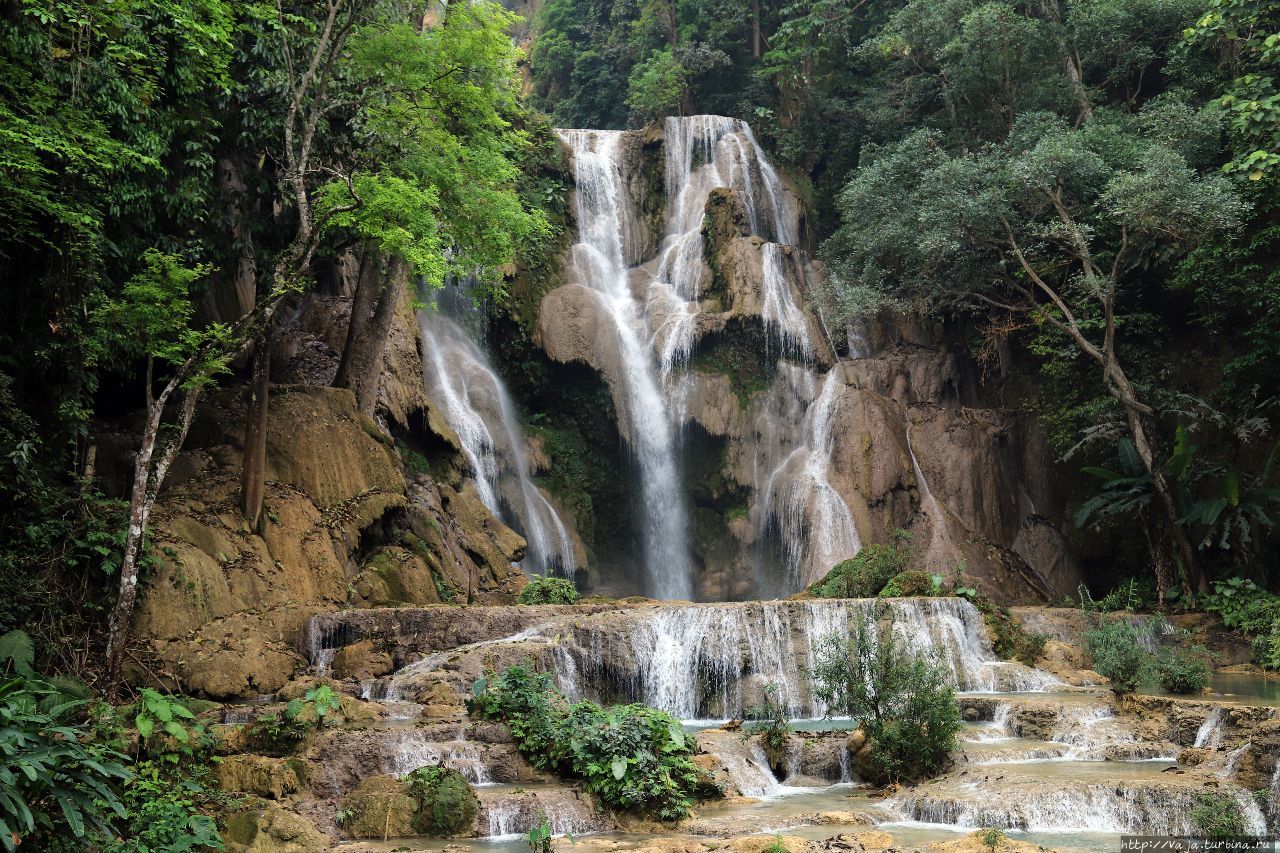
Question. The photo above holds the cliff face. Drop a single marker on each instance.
(793, 454)
(353, 517)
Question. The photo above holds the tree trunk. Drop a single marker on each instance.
(366, 384)
(146, 486)
(368, 284)
(1164, 496)
(253, 469)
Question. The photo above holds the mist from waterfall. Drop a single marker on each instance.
(474, 402)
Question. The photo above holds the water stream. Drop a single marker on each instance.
(474, 401)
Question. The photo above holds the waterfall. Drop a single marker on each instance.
(937, 521)
(604, 218)
(813, 521)
(474, 402)
(783, 319)
(1045, 805)
(1212, 730)
(713, 660)
(412, 750)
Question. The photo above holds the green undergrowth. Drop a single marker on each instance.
(632, 758)
(549, 590)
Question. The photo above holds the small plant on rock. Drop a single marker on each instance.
(446, 803)
(777, 845)
(864, 575)
(549, 590)
(991, 838)
(769, 722)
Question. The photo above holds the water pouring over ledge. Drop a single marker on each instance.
(474, 402)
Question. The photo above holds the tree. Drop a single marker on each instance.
(657, 85)
(152, 319)
(1046, 229)
(900, 698)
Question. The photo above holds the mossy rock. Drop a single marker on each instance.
(271, 778)
(379, 807)
(272, 829)
(447, 804)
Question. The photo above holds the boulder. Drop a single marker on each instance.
(271, 778)
(273, 829)
(379, 807)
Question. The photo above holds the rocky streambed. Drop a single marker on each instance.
(1046, 760)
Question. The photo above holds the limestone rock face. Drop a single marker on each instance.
(273, 829)
(223, 609)
(379, 807)
(272, 778)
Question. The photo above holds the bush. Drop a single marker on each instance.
(633, 758)
(769, 722)
(549, 590)
(901, 699)
(163, 812)
(912, 583)
(866, 574)
(1245, 606)
(1183, 667)
(56, 781)
(447, 805)
(1117, 655)
(284, 733)
(1217, 815)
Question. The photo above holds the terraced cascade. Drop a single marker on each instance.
(1065, 767)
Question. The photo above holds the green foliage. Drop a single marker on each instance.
(657, 85)
(775, 846)
(1245, 606)
(912, 583)
(446, 803)
(900, 698)
(1183, 669)
(549, 590)
(1217, 815)
(1118, 655)
(56, 780)
(284, 733)
(163, 812)
(155, 710)
(991, 838)
(632, 758)
(769, 722)
(864, 575)
(539, 837)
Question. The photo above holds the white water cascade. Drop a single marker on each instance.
(815, 526)
(474, 402)
(604, 223)
(713, 660)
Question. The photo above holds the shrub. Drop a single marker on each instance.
(632, 757)
(866, 574)
(163, 812)
(1181, 666)
(1217, 815)
(283, 733)
(1117, 655)
(912, 583)
(55, 779)
(1244, 605)
(900, 698)
(447, 805)
(549, 590)
(769, 722)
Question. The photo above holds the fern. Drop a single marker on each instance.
(17, 652)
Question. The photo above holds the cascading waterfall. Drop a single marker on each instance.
(815, 526)
(1070, 807)
(1212, 730)
(603, 213)
(476, 405)
(711, 661)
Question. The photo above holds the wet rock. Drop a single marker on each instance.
(379, 807)
(272, 778)
(361, 661)
(273, 829)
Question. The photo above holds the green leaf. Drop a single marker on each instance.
(145, 725)
(17, 648)
(619, 768)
